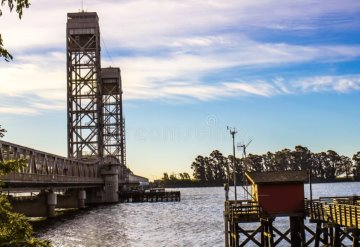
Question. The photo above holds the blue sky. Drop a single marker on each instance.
(282, 72)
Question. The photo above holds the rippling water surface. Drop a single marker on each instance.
(197, 220)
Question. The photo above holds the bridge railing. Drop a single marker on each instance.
(47, 168)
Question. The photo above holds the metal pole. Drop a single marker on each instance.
(233, 137)
(232, 133)
(310, 183)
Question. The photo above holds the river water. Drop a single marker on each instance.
(197, 220)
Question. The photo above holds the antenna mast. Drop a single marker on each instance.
(233, 133)
(243, 146)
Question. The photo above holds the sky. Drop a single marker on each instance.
(282, 72)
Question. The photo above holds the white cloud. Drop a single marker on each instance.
(341, 84)
(14, 110)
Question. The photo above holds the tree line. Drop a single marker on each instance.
(216, 168)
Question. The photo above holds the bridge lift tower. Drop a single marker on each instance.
(95, 114)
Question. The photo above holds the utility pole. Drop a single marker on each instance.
(233, 133)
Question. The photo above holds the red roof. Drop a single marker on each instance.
(283, 177)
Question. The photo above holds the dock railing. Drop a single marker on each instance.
(336, 211)
(242, 210)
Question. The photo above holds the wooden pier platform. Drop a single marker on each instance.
(281, 194)
(336, 219)
(150, 196)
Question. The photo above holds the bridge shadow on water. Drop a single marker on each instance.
(42, 224)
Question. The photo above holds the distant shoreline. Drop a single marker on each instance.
(193, 184)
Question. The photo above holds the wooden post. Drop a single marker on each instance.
(296, 231)
(331, 235)
(267, 236)
(336, 238)
(326, 233)
(232, 242)
(263, 230)
(355, 236)
(236, 234)
(226, 233)
(317, 234)
(271, 232)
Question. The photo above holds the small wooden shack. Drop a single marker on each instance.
(279, 193)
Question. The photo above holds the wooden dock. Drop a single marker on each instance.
(336, 219)
(150, 196)
(281, 194)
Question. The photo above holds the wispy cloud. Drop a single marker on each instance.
(341, 84)
(18, 110)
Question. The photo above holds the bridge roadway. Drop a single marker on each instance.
(62, 182)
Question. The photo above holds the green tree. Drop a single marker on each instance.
(269, 160)
(239, 169)
(218, 165)
(346, 166)
(332, 165)
(209, 175)
(173, 177)
(165, 177)
(255, 162)
(2, 131)
(199, 168)
(283, 161)
(19, 5)
(302, 157)
(356, 168)
(186, 176)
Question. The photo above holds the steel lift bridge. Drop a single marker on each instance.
(95, 169)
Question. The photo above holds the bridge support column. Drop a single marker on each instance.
(73, 198)
(51, 204)
(111, 178)
(81, 198)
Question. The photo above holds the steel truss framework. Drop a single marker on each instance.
(83, 80)
(112, 113)
(47, 169)
(96, 127)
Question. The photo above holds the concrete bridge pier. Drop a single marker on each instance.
(73, 198)
(81, 198)
(108, 193)
(111, 178)
(51, 204)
